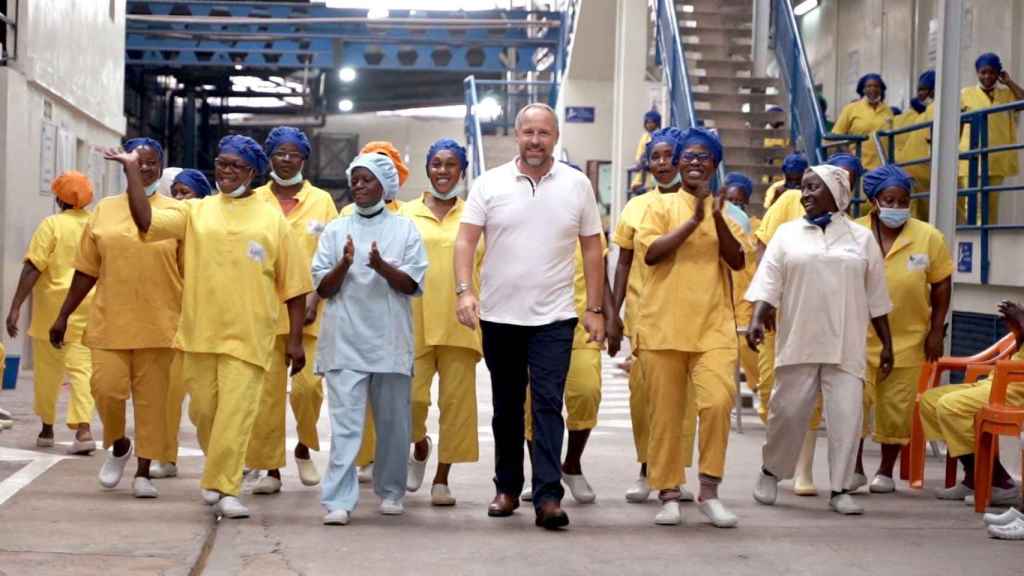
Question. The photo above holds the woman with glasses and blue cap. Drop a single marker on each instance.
(307, 209)
(686, 335)
(793, 167)
(232, 239)
(129, 331)
(190, 184)
(918, 272)
(367, 267)
(866, 116)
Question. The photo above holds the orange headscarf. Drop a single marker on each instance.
(389, 150)
(73, 188)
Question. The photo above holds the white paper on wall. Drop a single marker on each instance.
(47, 156)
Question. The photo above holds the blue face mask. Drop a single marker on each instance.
(893, 217)
(152, 188)
(821, 220)
(371, 210)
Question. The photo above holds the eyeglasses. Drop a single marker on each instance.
(234, 165)
(699, 156)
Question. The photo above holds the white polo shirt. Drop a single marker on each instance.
(531, 230)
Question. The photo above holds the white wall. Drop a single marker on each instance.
(586, 142)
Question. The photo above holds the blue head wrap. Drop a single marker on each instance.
(287, 135)
(847, 161)
(653, 116)
(739, 181)
(195, 181)
(989, 59)
(134, 143)
(452, 146)
(668, 136)
(382, 168)
(775, 109)
(927, 79)
(245, 148)
(702, 137)
(885, 177)
(863, 82)
(795, 163)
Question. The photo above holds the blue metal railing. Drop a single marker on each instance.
(807, 125)
(474, 136)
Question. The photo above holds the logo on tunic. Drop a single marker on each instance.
(917, 262)
(314, 227)
(257, 253)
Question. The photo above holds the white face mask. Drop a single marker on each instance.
(297, 179)
(236, 193)
(152, 188)
(371, 210)
(675, 182)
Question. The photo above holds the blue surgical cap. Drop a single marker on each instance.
(668, 136)
(702, 137)
(884, 177)
(382, 168)
(195, 181)
(287, 135)
(989, 59)
(795, 163)
(917, 105)
(452, 146)
(134, 143)
(775, 109)
(863, 82)
(653, 116)
(245, 148)
(847, 161)
(739, 181)
(927, 79)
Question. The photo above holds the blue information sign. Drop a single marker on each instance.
(965, 257)
(579, 114)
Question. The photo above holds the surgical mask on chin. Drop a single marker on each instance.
(893, 217)
(371, 210)
(821, 221)
(451, 193)
(236, 193)
(152, 188)
(297, 179)
(676, 181)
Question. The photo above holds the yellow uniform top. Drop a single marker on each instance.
(433, 314)
(624, 236)
(1002, 129)
(640, 178)
(777, 189)
(862, 119)
(241, 261)
(138, 284)
(307, 219)
(918, 145)
(776, 142)
(918, 258)
(579, 287)
(786, 209)
(394, 206)
(52, 251)
(741, 281)
(686, 304)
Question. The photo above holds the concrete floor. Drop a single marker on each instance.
(55, 519)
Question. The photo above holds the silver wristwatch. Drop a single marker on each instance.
(461, 287)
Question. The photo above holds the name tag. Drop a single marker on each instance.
(314, 227)
(917, 262)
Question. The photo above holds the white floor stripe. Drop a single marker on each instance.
(38, 463)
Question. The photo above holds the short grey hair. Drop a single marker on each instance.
(535, 106)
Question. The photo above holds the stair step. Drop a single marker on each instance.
(718, 64)
(731, 83)
(689, 27)
(713, 16)
(722, 99)
(753, 155)
(715, 5)
(732, 136)
(723, 119)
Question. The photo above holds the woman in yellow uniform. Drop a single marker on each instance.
(793, 167)
(443, 346)
(190, 184)
(687, 332)
(866, 116)
(917, 145)
(307, 209)
(241, 261)
(652, 122)
(919, 274)
(47, 275)
(737, 189)
(1002, 130)
(130, 327)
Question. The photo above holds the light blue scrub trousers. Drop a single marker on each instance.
(347, 392)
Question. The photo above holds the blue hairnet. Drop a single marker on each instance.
(847, 161)
(653, 116)
(245, 148)
(134, 143)
(885, 177)
(287, 135)
(989, 59)
(927, 79)
(669, 136)
(383, 170)
(195, 181)
(775, 109)
(917, 105)
(863, 82)
(452, 146)
(702, 137)
(739, 181)
(795, 163)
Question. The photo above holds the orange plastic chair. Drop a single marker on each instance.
(931, 375)
(994, 420)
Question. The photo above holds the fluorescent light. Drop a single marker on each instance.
(377, 13)
(805, 7)
(345, 105)
(347, 74)
(488, 109)
(238, 66)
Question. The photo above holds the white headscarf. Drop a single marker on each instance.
(838, 182)
(381, 167)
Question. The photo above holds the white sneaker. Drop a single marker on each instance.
(441, 495)
(337, 518)
(6, 422)
(1000, 497)
(308, 474)
(267, 485)
(144, 488)
(882, 485)
(766, 491)
(113, 468)
(1012, 531)
(163, 470)
(527, 494)
(211, 497)
(1003, 519)
(81, 447)
(719, 515)
(389, 507)
(581, 490)
(685, 495)
(231, 507)
(845, 504)
(251, 476)
(958, 492)
(639, 492)
(44, 442)
(365, 474)
(418, 468)
(669, 515)
(857, 481)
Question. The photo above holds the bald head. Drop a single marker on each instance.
(539, 111)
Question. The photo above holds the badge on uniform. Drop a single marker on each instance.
(917, 262)
(257, 253)
(314, 227)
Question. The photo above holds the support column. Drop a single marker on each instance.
(631, 98)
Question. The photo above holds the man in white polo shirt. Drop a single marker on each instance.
(532, 212)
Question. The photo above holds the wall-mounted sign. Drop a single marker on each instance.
(580, 114)
(965, 257)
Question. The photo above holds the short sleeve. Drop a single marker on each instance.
(590, 217)
(414, 260)
(625, 230)
(88, 259)
(653, 225)
(842, 125)
(879, 303)
(325, 257)
(290, 274)
(475, 211)
(940, 263)
(41, 248)
(169, 223)
(770, 223)
(767, 283)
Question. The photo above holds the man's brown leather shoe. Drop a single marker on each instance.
(551, 516)
(502, 505)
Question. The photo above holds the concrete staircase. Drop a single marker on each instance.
(716, 37)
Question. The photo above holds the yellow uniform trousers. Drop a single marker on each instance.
(144, 375)
(225, 399)
(947, 412)
(639, 417)
(51, 365)
(456, 400)
(766, 382)
(673, 378)
(582, 392)
(369, 445)
(266, 450)
(892, 403)
(175, 396)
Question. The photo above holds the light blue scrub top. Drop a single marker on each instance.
(367, 325)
